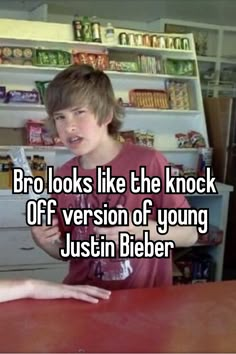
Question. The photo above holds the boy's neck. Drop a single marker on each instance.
(105, 153)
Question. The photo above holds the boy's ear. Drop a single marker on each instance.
(109, 118)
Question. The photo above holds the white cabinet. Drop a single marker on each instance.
(218, 216)
(49, 272)
(20, 257)
(18, 248)
(217, 55)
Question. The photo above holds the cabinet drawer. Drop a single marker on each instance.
(12, 213)
(55, 273)
(17, 248)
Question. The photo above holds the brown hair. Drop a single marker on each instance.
(82, 85)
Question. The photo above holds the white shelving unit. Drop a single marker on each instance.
(162, 122)
(220, 54)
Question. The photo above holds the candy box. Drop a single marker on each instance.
(34, 132)
(183, 140)
(20, 96)
(196, 139)
(2, 92)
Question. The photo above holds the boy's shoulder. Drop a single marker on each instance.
(64, 169)
(144, 154)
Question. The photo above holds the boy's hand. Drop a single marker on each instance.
(46, 290)
(43, 235)
(112, 233)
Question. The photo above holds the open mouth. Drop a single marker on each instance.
(74, 140)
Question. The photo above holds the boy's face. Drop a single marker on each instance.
(78, 130)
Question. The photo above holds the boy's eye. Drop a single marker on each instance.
(58, 117)
(79, 112)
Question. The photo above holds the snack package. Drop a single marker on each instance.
(34, 132)
(180, 67)
(46, 137)
(41, 87)
(196, 139)
(19, 160)
(204, 160)
(17, 55)
(183, 140)
(51, 57)
(97, 61)
(20, 96)
(2, 92)
(128, 136)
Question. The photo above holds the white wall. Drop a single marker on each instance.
(117, 23)
(14, 14)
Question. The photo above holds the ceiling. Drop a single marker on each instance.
(221, 12)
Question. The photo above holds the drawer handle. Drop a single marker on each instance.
(26, 248)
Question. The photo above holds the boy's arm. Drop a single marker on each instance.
(13, 289)
(183, 236)
(38, 289)
(48, 238)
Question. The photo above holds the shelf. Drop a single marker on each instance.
(149, 76)
(36, 148)
(231, 61)
(165, 111)
(177, 150)
(63, 148)
(40, 107)
(207, 59)
(53, 44)
(90, 46)
(221, 188)
(21, 107)
(29, 69)
(148, 50)
(16, 114)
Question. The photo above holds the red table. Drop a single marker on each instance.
(186, 318)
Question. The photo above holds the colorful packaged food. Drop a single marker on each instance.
(128, 136)
(150, 64)
(204, 160)
(178, 95)
(98, 61)
(96, 30)
(185, 44)
(46, 136)
(34, 132)
(180, 67)
(143, 98)
(183, 140)
(123, 38)
(177, 170)
(41, 87)
(132, 39)
(146, 40)
(77, 28)
(51, 57)
(87, 29)
(17, 55)
(22, 96)
(2, 92)
(170, 43)
(139, 39)
(196, 139)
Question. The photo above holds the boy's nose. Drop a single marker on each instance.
(70, 126)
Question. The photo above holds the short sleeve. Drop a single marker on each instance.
(164, 200)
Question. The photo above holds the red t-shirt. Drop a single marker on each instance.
(119, 273)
